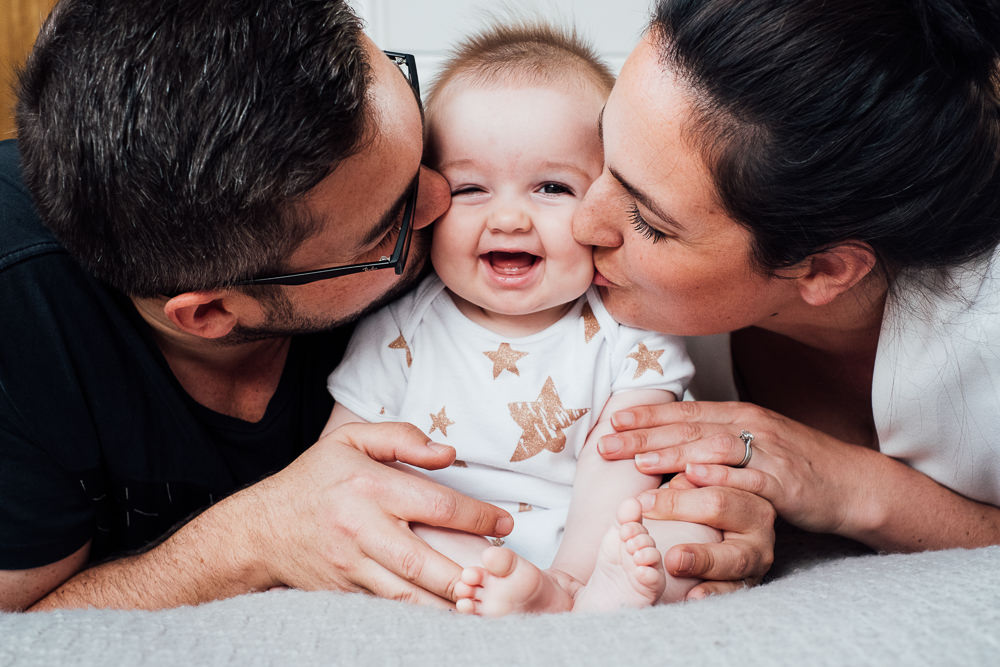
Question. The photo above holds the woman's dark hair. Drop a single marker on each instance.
(166, 141)
(828, 121)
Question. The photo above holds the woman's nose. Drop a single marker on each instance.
(433, 197)
(593, 220)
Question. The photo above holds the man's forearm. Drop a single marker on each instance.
(210, 558)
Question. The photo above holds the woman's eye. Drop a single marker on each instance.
(649, 232)
(555, 189)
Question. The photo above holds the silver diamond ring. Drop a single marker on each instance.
(747, 437)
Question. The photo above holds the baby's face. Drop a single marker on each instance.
(519, 161)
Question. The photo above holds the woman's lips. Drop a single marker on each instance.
(600, 280)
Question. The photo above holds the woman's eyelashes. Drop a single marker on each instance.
(644, 228)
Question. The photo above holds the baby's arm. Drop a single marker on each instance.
(600, 488)
(338, 417)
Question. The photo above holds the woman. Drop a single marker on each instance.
(822, 179)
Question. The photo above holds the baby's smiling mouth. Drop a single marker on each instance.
(511, 263)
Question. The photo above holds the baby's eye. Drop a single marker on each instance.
(555, 189)
(466, 190)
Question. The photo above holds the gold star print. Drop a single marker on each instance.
(590, 324)
(524, 507)
(459, 463)
(400, 344)
(647, 360)
(542, 421)
(440, 422)
(505, 359)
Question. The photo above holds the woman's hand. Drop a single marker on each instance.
(811, 478)
(747, 524)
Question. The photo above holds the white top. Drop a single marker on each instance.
(517, 410)
(936, 386)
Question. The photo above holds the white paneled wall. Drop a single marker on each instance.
(427, 28)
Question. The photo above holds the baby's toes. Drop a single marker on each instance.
(471, 576)
(465, 606)
(629, 511)
(640, 541)
(464, 590)
(499, 561)
(629, 530)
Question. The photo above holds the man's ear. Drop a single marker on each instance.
(829, 273)
(207, 314)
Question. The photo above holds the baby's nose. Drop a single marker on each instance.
(509, 219)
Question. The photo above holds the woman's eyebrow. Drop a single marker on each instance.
(636, 193)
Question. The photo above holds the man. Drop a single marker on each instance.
(176, 149)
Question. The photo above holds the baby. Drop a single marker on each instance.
(507, 353)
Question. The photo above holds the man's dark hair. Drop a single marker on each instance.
(826, 121)
(166, 141)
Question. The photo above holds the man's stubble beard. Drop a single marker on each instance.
(281, 319)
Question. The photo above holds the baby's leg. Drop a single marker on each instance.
(463, 548)
(670, 533)
(629, 569)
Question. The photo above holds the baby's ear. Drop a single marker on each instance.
(831, 272)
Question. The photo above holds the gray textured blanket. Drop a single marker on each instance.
(939, 608)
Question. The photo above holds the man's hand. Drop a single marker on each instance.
(333, 519)
(336, 519)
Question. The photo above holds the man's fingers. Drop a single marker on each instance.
(402, 554)
(395, 441)
(423, 501)
(384, 583)
(719, 561)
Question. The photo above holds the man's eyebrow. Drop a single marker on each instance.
(645, 200)
(387, 221)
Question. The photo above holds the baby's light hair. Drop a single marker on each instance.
(522, 51)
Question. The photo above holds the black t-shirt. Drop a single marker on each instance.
(98, 441)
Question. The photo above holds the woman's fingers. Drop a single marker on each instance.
(745, 520)
(649, 416)
(735, 559)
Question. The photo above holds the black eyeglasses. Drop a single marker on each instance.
(408, 65)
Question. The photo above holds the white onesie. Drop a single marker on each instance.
(517, 410)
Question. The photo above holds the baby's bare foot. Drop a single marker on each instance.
(629, 570)
(508, 584)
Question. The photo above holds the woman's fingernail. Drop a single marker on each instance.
(610, 444)
(647, 459)
(623, 419)
(696, 470)
(437, 447)
(687, 563)
(647, 500)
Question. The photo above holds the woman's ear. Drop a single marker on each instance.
(831, 272)
(207, 314)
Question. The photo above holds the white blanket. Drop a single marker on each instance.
(932, 608)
